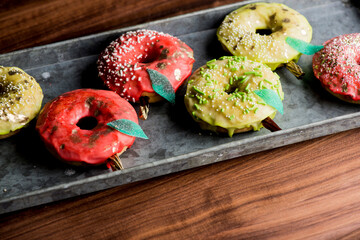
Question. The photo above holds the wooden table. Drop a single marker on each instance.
(305, 190)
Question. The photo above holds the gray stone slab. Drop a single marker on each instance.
(29, 175)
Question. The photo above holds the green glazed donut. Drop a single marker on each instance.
(239, 33)
(220, 95)
(20, 100)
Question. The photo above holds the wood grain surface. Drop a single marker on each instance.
(309, 190)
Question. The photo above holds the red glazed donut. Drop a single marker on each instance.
(60, 126)
(337, 67)
(122, 65)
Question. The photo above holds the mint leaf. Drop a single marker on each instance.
(162, 85)
(271, 98)
(128, 127)
(302, 46)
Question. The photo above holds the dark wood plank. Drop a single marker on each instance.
(309, 190)
(30, 23)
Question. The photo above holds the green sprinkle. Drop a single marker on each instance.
(245, 79)
(249, 73)
(247, 87)
(242, 67)
(231, 117)
(212, 66)
(222, 110)
(197, 106)
(268, 81)
(256, 109)
(198, 90)
(258, 68)
(191, 81)
(252, 107)
(234, 69)
(225, 73)
(227, 86)
(231, 80)
(261, 84)
(216, 90)
(262, 103)
(258, 74)
(231, 97)
(211, 61)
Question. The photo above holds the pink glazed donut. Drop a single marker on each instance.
(337, 66)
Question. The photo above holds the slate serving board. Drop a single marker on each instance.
(30, 176)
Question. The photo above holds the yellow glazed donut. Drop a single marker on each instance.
(220, 95)
(20, 100)
(239, 33)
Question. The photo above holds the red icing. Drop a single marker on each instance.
(337, 65)
(122, 65)
(57, 125)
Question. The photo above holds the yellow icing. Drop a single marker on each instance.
(220, 94)
(237, 33)
(20, 99)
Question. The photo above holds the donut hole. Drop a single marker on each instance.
(87, 123)
(231, 89)
(264, 32)
(152, 56)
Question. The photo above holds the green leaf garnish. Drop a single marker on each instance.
(162, 85)
(128, 127)
(302, 46)
(271, 98)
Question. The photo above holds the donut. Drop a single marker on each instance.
(337, 67)
(20, 100)
(259, 30)
(123, 64)
(220, 95)
(73, 126)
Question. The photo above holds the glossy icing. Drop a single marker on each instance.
(337, 66)
(59, 119)
(122, 65)
(238, 33)
(220, 94)
(20, 99)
